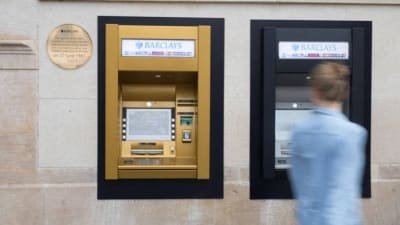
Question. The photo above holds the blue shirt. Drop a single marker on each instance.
(327, 165)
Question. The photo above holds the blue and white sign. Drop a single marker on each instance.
(313, 50)
(158, 48)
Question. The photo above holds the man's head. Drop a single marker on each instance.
(330, 83)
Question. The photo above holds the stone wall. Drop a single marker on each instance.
(48, 119)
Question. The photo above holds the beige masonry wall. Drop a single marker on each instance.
(48, 118)
(364, 2)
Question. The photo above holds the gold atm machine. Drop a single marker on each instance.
(160, 82)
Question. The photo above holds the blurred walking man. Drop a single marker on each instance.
(328, 158)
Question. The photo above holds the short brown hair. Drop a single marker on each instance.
(331, 81)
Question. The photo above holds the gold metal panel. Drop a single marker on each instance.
(157, 167)
(112, 104)
(186, 149)
(157, 163)
(157, 77)
(157, 174)
(158, 32)
(144, 104)
(162, 63)
(148, 92)
(204, 89)
(186, 92)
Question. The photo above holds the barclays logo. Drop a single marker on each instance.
(139, 44)
(295, 47)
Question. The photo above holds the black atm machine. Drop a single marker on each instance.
(282, 55)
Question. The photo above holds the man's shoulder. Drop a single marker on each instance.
(305, 125)
(336, 126)
(354, 129)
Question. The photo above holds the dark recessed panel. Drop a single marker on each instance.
(280, 94)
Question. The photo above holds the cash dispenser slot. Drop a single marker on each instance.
(147, 148)
(146, 151)
(166, 149)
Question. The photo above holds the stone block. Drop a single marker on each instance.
(18, 98)
(374, 171)
(203, 212)
(235, 153)
(18, 61)
(280, 212)
(237, 88)
(384, 130)
(75, 206)
(236, 133)
(231, 174)
(383, 207)
(17, 152)
(244, 174)
(154, 212)
(58, 83)
(15, 174)
(235, 50)
(22, 206)
(236, 208)
(389, 171)
(66, 175)
(67, 133)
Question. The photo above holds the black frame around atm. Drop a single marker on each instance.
(167, 188)
(265, 181)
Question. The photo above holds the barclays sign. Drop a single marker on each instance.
(313, 50)
(158, 48)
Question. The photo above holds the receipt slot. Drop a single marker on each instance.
(161, 128)
(283, 53)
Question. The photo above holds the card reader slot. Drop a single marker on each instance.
(147, 151)
(147, 143)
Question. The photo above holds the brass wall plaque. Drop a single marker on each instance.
(69, 46)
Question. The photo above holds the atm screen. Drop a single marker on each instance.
(148, 124)
(285, 122)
